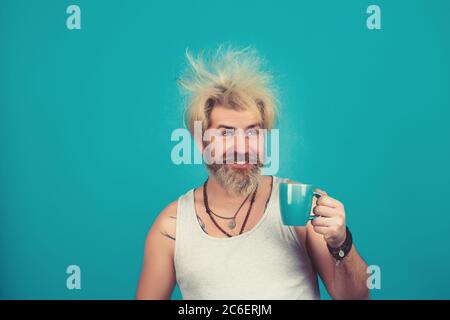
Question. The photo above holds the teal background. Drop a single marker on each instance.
(86, 118)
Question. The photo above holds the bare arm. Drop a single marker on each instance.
(348, 280)
(345, 281)
(158, 272)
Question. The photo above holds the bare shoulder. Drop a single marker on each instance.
(169, 212)
(164, 226)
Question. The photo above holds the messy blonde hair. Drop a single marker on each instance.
(231, 78)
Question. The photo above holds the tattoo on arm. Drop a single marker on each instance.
(165, 234)
(202, 224)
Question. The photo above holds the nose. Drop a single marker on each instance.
(241, 144)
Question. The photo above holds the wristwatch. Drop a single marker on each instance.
(341, 252)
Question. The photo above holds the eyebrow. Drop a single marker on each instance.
(220, 126)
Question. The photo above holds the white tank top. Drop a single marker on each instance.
(266, 262)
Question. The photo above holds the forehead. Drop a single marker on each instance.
(233, 118)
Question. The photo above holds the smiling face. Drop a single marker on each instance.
(237, 163)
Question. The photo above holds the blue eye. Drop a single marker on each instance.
(228, 132)
(252, 132)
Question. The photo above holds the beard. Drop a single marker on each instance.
(237, 181)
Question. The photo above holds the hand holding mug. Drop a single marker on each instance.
(329, 219)
(298, 205)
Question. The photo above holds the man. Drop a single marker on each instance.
(225, 239)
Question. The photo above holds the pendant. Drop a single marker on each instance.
(232, 224)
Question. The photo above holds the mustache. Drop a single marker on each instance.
(241, 157)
